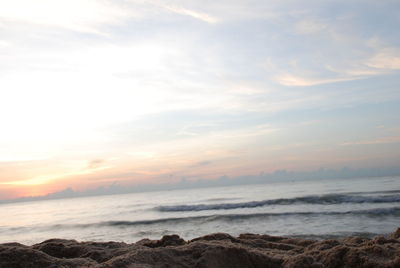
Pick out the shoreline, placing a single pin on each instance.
(213, 250)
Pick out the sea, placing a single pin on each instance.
(315, 209)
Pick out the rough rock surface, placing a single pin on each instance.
(214, 250)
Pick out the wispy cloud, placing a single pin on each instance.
(355, 69)
(301, 81)
(383, 140)
(201, 164)
(309, 26)
(192, 13)
(384, 61)
(95, 163)
(258, 130)
(387, 58)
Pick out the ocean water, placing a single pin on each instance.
(313, 209)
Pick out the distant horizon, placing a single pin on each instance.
(223, 181)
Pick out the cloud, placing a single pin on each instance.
(243, 133)
(309, 26)
(95, 163)
(196, 182)
(356, 69)
(77, 15)
(382, 62)
(191, 13)
(384, 140)
(301, 81)
(201, 164)
(387, 58)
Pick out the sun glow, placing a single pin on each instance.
(33, 191)
(57, 112)
(45, 179)
(69, 14)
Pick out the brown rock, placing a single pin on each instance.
(214, 250)
(166, 240)
(396, 235)
(25, 257)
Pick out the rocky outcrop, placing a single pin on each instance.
(214, 250)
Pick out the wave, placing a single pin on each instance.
(313, 199)
(220, 199)
(394, 211)
(377, 192)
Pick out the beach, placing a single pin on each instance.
(349, 223)
(150, 133)
(214, 250)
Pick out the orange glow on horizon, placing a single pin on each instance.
(33, 192)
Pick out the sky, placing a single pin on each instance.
(96, 92)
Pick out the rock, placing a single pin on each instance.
(26, 257)
(235, 257)
(166, 240)
(396, 235)
(214, 250)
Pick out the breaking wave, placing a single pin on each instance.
(314, 199)
(394, 211)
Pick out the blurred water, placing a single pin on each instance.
(317, 208)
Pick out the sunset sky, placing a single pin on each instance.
(94, 92)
